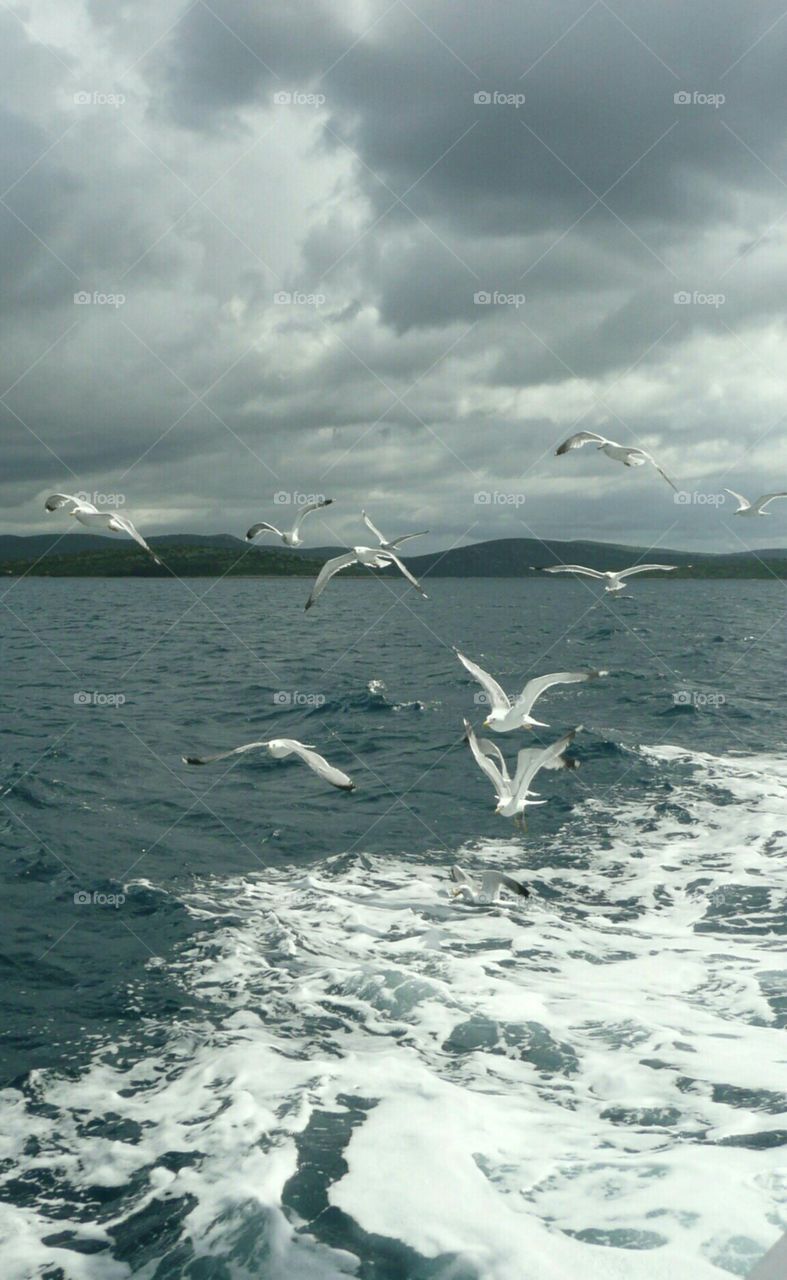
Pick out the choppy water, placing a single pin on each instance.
(271, 1044)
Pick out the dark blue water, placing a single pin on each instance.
(181, 945)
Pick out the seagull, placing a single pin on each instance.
(620, 452)
(373, 558)
(613, 580)
(488, 889)
(384, 543)
(514, 794)
(290, 537)
(505, 714)
(279, 748)
(757, 508)
(91, 517)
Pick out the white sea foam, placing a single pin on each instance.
(580, 1084)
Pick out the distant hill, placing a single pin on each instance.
(214, 555)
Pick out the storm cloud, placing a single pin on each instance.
(394, 253)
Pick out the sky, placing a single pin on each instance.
(393, 254)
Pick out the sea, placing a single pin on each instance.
(248, 1032)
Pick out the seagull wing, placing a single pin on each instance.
(493, 881)
(645, 568)
(744, 502)
(660, 469)
(461, 877)
(762, 502)
(262, 527)
(574, 568)
(326, 573)
(394, 559)
(534, 688)
(316, 762)
(310, 506)
(578, 440)
(372, 527)
(222, 755)
(485, 764)
(57, 500)
(493, 752)
(122, 524)
(531, 760)
(497, 698)
(405, 537)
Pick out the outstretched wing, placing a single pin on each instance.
(492, 750)
(372, 527)
(493, 881)
(497, 698)
(744, 502)
(762, 502)
(122, 524)
(310, 506)
(534, 688)
(405, 537)
(57, 500)
(262, 527)
(645, 568)
(649, 458)
(485, 764)
(402, 567)
(531, 760)
(222, 755)
(316, 762)
(577, 441)
(574, 568)
(326, 573)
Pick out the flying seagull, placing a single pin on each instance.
(91, 517)
(369, 556)
(488, 889)
(290, 537)
(394, 543)
(505, 714)
(279, 748)
(514, 794)
(757, 508)
(613, 580)
(620, 452)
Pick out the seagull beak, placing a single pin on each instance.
(486, 724)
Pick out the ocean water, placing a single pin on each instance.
(248, 1032)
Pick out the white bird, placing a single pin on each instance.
(487, 889)
(91, 517)
(506, 715)
(630, 457)
(514, 794)
(757, 508)
(394, 543)
(290, 537)
(373, 558)
(279, 748)
(613, 580)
